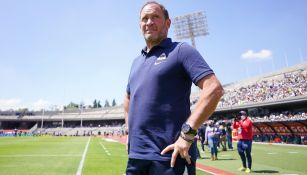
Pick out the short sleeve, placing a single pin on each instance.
(194, 64)
(128, 89)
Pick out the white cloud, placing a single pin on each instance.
(6, 104)
(40, 104)
(261, 55)
(16, 103)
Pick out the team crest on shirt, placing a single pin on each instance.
(161, 59)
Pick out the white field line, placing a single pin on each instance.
(110, 140)
(278, 144)
(206, 171)
(225, 155)
(288, 153)
(105, 149)
(42, 155)
(79, 171)
(292, 152)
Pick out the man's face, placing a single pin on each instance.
(153, 24)
(243, 117)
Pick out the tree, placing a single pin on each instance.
(113, 102)
(22, 112)
(95, 104)
(71, 105)
(82, 105)
(99, 105)
(107, 104)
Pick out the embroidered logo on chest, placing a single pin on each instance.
(162, 58)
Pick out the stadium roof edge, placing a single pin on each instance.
(266, 75)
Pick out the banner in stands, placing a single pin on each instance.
(298, 128)
(284, 128)
(263, 127)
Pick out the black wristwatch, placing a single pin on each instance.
(187, 133)
(188, 130)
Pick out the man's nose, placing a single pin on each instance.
(149, 21)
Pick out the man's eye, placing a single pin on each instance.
(144, 19)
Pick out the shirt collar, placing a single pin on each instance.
(164, 43)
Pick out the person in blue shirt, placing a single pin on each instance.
(211, 137)
(160, 125)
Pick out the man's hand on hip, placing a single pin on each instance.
(180, 147)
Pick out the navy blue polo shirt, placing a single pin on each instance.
(159, 86)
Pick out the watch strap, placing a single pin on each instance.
(187, 137)
(191, 131)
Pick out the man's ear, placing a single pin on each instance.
(168, 23)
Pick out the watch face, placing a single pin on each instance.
(185, 128)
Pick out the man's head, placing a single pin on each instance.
(154, 22)
(243, 115)
(210, 123)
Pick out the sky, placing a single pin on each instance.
(54, 52)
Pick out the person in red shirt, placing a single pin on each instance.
(245, 137)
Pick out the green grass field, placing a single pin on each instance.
(62, 155)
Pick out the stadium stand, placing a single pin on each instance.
(288, 83)
(276, 102)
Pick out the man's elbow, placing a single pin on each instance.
(218, 90)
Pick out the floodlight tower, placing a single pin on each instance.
(190, 26)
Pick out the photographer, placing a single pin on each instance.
(245, 137)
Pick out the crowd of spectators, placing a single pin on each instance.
(85, 124)
(281, 117)
(15, 132)
(271, 89)
(271, 117)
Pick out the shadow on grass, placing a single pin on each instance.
(265, 171)
(227, 159)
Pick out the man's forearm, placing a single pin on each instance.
(209, 98)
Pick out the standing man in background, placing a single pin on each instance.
(229, 135)
(202, 133)
(245, 139)
(222, 136)
(161, 128)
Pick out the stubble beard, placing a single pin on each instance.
(154, 40)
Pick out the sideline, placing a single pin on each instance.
(105, 149)
(280, 144)
(79, 171)
(212, 170)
